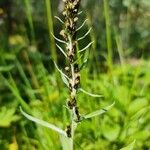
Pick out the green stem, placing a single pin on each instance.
(50, 29)
(30, 19)
(108, 33)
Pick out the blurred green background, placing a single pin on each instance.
(118, 68)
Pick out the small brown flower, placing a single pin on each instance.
(68, 131)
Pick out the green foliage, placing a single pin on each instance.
(7, 116)
(27, 76)
(129, 147)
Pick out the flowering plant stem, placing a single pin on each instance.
(69, 34)
(71, 77)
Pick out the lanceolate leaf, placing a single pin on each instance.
(59, 40)
(61, 50)
(98, 112)
(84, 63)
(64, 77)
(85, 48)
(82, 25)
(129, 147)
(79, 13)
(90, 94)
(60, 71)
(79, 58)
(59, 19)
(65, 80)
(43, 123)
(81, 38)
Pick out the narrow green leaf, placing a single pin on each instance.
(108, 32)
(84, 63)
(43, 123)
(98, 112)
(61, 50)
(129, 147)
(82, 25)
(79, 58)
(49, 14)
(59, 40)
(64, 77)
(60, 20)
(85, 48)
(25, 79)
(65, 80)
(90, 94)
(28, 11)
(81, 38)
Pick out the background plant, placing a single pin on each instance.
(30, 76)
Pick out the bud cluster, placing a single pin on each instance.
(69, 33)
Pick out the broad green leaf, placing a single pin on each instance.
(43, 123)
(98, 112)
(137, 105)
(7, 116)
(121, 94)
(129, 147)
(140, 113)
(110, 131)
(141, 135)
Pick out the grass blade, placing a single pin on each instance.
(30, 18)
(108, 33)
(50, 28)
(13, 87)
